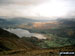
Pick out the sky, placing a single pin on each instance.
(38, 9)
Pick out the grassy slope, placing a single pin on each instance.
(41, 52)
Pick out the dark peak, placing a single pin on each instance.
(4, 33)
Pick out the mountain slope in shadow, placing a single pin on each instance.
(9, 41)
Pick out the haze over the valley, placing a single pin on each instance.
(25, 33)
(37, 9)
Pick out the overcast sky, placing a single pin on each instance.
(37, 9)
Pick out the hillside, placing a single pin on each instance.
(11, 45)
(61, 34)
(41, 52)
(40, 25)
(9, 41)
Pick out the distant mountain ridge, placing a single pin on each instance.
(32, 23)
(13, 22)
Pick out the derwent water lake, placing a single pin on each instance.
(25, 33)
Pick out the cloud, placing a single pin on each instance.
(70, 15)
(22, 2)
(37, 8)
(18, 8)
(17, 11)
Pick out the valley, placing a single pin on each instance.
(37, 38)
